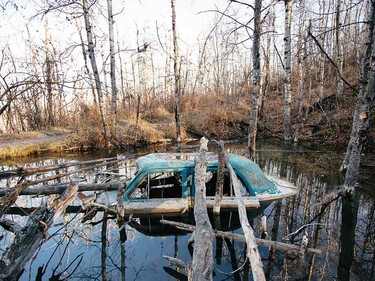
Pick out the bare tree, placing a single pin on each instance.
(339, 51)
(94, 66)
(176, 69)
(253, 123)
(113, 68)
(287, 71)
(360, 134)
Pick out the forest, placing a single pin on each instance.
(285, 69)
(82, 78)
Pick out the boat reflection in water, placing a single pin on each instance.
(228, 220)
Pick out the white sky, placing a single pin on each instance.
(142, 13)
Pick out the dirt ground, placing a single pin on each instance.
(29, 139)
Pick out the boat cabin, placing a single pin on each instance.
(164, 183)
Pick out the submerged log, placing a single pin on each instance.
(239, 237)
(29, 238)
(202, 264)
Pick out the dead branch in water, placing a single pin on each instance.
(239, 237)
(60, 188)
(11, 196)
(32, 170)
(252, 249)
(29, 238)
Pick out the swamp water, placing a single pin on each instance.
(96, 250)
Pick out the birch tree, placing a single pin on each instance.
(113, 68)
(339, 51)
(287, 71)
(94, 66)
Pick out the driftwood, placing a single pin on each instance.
(202, 264)
(252, 249)
(29, 238)
(12, 194)
(239, 237)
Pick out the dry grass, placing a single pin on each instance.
(215, 117)
(25, 150)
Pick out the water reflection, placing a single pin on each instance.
(102, 248)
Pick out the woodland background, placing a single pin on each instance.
(295, 63)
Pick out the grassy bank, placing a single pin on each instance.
(212, 116)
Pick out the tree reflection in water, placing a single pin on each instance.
(344, 230)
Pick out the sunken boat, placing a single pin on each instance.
(164, 183)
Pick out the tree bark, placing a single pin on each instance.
(360, 134)
(94, 66)
(253, 123)
(302, 68)
(287, 71)
(113, 68)
(176, 69)
(202, 264)
(339, 51)
(252, 248)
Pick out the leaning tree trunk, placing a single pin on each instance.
(94, 66)
(176, 69)
(287, 64)
(253, 123)
(360, 130)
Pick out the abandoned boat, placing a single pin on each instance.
(164, 183)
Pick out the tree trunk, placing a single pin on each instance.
(253, 123)
(287, 64)
(202, 264)
(176, 69)
(339, 52)
(360, 134)
(302, 68)
(113, 68)
(94, 66)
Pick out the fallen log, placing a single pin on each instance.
(239, 237)
(12, 194)
(29, 238)
(60, 188)
(202, 264)
(251, 249)
(32, 170)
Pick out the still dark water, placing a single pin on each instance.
(344, 230)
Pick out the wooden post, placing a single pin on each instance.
(220, 178)
(202, 264)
